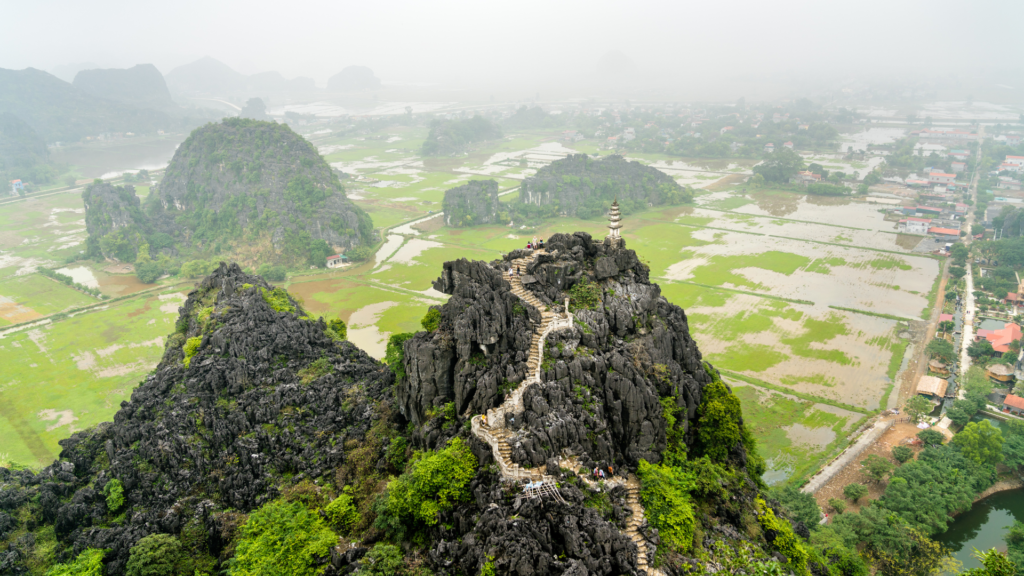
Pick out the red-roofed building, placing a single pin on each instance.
(788, 145)
(959, 167)
(1001, 338)
(336, 260)
(1014, 404)
(1011, 298)
(806, 177)
(945, 317)
(961, 208)
(941, 178)
(923, 209)
(944, 232)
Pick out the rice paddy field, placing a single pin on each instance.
(798, 300)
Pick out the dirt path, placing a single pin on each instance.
(917, 366)
(894, 436)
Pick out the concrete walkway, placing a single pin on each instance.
(866, 439)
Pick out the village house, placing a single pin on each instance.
(17, 187)
(337, 260)
(961, 208)
(929, 134)
(941, 178)
(1013, 404)
(959, 154)
(1001, 338)
(788, 145)
(914, 226)
(769, 147)
(724, 130)
(1007, 183)
(944, 233)
(932, 386)
(805, 177)
(959, 167)
(803, 127)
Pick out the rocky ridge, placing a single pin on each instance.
(471, 204)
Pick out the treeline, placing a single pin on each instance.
(920, 498)
(452, 136)
(65, 279)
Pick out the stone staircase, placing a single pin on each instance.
(497, 436)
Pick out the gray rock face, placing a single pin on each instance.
(600, 394)
(471, 204)
(217, 434)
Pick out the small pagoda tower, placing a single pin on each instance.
(614, 223)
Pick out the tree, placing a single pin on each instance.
(88, 563)
(148, 272)
(917, 407)
(757, 181)
(158, 555)
(431, 320)
(994, 562)
(980, 349)
(959, 253)
(876, 467)
(980, 442)
(1013, 446)
(837, 505)
(855, 491)
(902, 454)
(941, 349)
(800, 506)
(915, 555)
(957, 272)
(359, 253)
(931, 437)
(961, 412)
(873, 177)
(282, 538)
(779, 166)
(946, 326)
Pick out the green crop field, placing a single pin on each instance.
(74, 373)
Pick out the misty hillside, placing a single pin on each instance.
(58, 111)
(141, 86)
(210, 77)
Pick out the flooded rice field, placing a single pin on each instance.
(832, 354)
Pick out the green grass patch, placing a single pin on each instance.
(801, 395)
(825, 265)
(719, 269)
(820, 332)
(869, 313)
(889, 264)
(933, 294)
(74, 374)
(748, 357)
(43, 295)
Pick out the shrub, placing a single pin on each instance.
(190, 348)
(837, 505)
(281, 538)
(148, 272)
(902, 454)
(718, 418)
(278, 300)
(316, 369)
(272, 273)
(431, 486)
(360, 253)
(394, 356)
(88, 563)
(341, 512)
(931, 437)
(338, 327)
(158, 555)
(855, 491)
(799, 506)
(665, 492)
(431, 320)
(785, 541)
(114, 492)
(382, 560)
(584, 295)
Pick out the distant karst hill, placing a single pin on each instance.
(579, 185)
(20, 146)
(254, 189)
(210, 77)
(58, 111)
(471, 204)
(141, 86)
(453, 136)
(353, 78)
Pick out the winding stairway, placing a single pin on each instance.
(497, 436)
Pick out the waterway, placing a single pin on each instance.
(984, 526)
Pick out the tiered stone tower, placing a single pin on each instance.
(614, 223)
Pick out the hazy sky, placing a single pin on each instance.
(523, 41)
